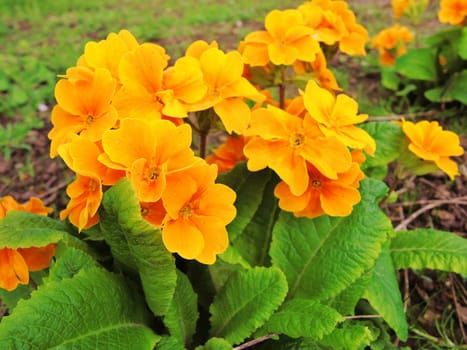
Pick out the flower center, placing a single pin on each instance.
(89, 120)
(153, 174)
(92, 186)
(144, 211)
(297, 139)
(185, 212)
(316, 183)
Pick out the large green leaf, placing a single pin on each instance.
(245, 302)
(352, 336)
(453, 90)
(384, 296)
(428, 248)
(93, 310)
(253, 242)
(136, 243)
(463, 44)
(215, 344)
(418, 64)
(303, 318)
(19, 229)
(169, 343)
(323, 256)
(182, 314)
(249, 188)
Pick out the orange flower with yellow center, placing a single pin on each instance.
(285, 40)
(84, 106)
(15, 264)
(334, 197)
(430, 142)
(286, 143)
(149, 152)
(151, 89)
(391, 43)
(336, 117)
(198, 210)
(453, 12)
(227, 89)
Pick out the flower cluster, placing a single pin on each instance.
(453, 12)
(119, 114)
(15, 263)
(391, 43)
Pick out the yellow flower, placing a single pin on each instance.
(285, 40)
(323, 195)
(453, 12)
(198, 210)
(399, 7)
(227, 89)
(84, 106)
(15, 264)
(149, 152)
(430, 142)
(391, 43)
(336, 117)
(286, 143)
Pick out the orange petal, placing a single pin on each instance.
(183, 237)
(38, 258)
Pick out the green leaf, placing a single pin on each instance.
(323, 256)
(463, 44)
(10, 299)
(350, 337)
(19, 229)
(245, 302)
(429, 249)
(69, 262)
(249, 188)
(93, 310)
(169, 343)
(215, 344)
(389, 78)
(303, 318)
(253, 242)
(418, 64)
(453, 90)
(182, 314)
(136, 243)
(389, 140)
(384, 296)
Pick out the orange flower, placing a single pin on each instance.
(15, 264)
(149, 153)
(149, 89)
(227, 155)
(391, 43)
(227, 89)
(336, 117)
(285, 40)
(399, 7)
(84, 107)
(430, 142)
(198, 47)
(286, 143)
(198, 210)
(85, 198)
(323, 195)
(153, 212)
(453, 12)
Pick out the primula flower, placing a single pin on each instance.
(198, 210)
(15, 264)
(227, 155)
(150, 90)
(149, 152)
(85, 198)
(227, 89)
(336, 117)
(430, 142)
(334, 197)
(286, 143)
(285, 40)
(84, 107)
(391, 43)
(399, 7)
(453, 12)
(334, 23)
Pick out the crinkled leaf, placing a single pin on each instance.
(418, 64)
(215, 344)
(19, 229)
(69, 262)
(136, 243)
(249, 188)
(182, 314)
(323, 256)
(245, 302)
(93, 310)
(429, 249)
(384, 296)
(350, 336)
(303, 318)
(169, 343)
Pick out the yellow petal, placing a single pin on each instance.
(234, 113)
(183, 237)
